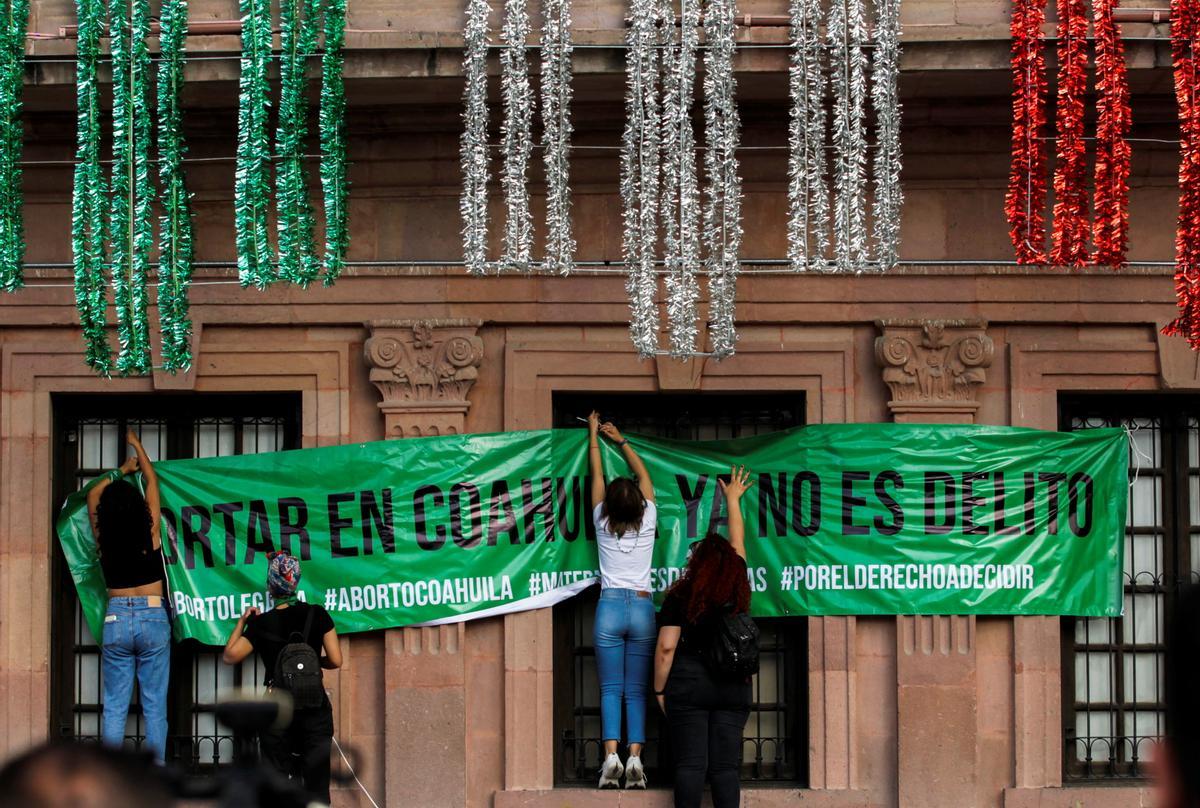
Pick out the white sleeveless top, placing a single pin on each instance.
(625, 561)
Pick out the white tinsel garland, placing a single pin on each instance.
(516, 136)
(474, 201)
(681, 196)
(723, 206)
(847, 34)
(639, 173)
(808, 195)
(889, 198)
(556, 129)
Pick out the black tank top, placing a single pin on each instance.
(127, 565)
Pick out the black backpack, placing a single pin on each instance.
(732, 651)
(298, 669)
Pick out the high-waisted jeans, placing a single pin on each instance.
(137, 643)
(624, 636)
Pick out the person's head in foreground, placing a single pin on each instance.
(715, 575)
(122, 515)
(76, 775)
(283, 576)
(624, 505)
(1177, 759)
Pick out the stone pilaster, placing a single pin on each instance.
(424, 370)
(934, 370)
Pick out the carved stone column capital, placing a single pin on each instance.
(933, 367)
(424, 370)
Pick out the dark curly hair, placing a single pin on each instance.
(715, 575)
(122, 516)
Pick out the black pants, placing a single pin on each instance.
(302, 749)
(705, 719)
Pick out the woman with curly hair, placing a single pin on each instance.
(705, 712)
(137, 631)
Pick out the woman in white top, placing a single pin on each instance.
(625, 515)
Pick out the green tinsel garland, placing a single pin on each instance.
(175, 225)
(333, 141)
(87, 203)
(12, 77)
(298, 261)
(251, 193)
(131, 217)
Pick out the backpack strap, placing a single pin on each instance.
(307, 622)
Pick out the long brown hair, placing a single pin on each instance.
(624, 506)
(715, 575)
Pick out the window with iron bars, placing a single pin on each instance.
(90, 440)
(775, 741)
(1112, 668)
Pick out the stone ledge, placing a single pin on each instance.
(661, 798)
(1115, 796)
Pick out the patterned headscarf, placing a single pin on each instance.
(283, 575)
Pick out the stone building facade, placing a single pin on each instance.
(879, 711)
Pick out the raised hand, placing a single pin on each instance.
(611, 432)
(739, 483)
(593, 420)
(129, 466)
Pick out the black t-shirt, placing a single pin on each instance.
(270, 632)
(694, 636)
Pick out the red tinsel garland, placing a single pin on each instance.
(1110, 230)
(1071, 228)
(1026, 197)
(1185, 25)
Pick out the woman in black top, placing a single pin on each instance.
(137, 633)
(705, 713)
(309, 736)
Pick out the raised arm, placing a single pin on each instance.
(595, 463)
(739, 483)
(153, 503)
(238, 647)
(631, 457)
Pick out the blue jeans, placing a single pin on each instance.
(624, 635)
(137, 642)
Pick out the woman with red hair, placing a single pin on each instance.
(705, 711)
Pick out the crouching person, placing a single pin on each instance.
(294, 640)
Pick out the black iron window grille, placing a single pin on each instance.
(1112, 669)
(90, 439)
(775, 741)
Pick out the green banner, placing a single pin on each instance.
(843, 519)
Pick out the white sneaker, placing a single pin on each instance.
(635, 775)
(611, 771)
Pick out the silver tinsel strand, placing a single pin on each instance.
(847, 33)
(474, 154)
(723, 206)
(885, 71)
(808, 196)
(516, 136)
(681, 196)
(639, 173)
(556, 133)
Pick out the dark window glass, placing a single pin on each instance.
(775, 744)
(1112, 669)
(90, 438)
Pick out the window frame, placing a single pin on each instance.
(1129, 753)
(570, 769)
(178, 414)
